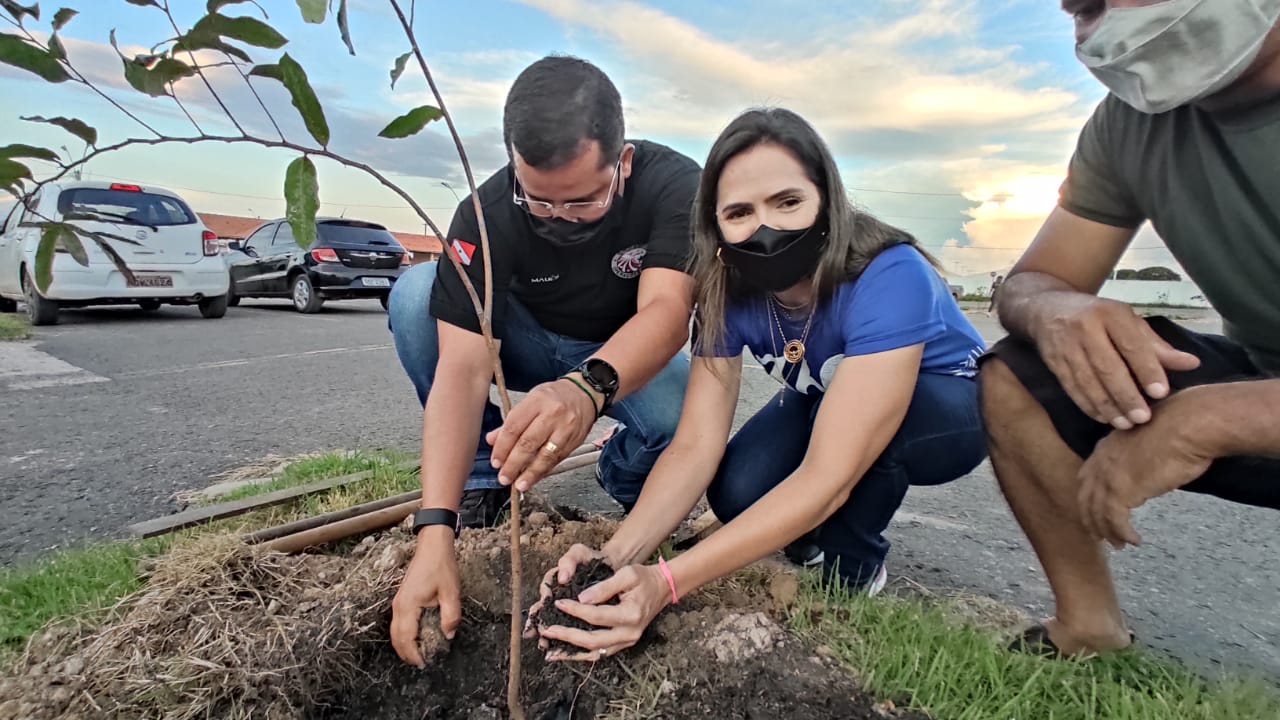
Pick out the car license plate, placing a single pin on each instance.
(151, 281)
(376, 282)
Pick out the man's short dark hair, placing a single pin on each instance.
(554, 105)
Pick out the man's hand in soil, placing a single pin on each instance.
(1097, 348)
(642, 593)
(561, 574)
(552, 420)
(430, 581)
(1130, 467)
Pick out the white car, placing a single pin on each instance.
(176, 260)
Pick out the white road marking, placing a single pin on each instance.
(23, 367)
(248, 361)
(26, 456)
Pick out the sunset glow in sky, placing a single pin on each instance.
(953, 119)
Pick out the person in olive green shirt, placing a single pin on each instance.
(1092, 410)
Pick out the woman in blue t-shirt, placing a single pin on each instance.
(878, 368)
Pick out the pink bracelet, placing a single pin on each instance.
(671, 582)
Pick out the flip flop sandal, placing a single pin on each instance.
(1035, 640)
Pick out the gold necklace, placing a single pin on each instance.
(792, 350)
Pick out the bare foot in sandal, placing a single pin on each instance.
(1050, 639)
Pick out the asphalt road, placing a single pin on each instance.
(106, 416)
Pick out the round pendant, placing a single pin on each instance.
(793, 351)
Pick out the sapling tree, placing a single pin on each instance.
(220, 39)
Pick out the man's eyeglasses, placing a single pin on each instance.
(542, 208)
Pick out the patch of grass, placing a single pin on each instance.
(909, 650)
(72, 582)
(14, 327)
(88, 580)
(385, 480)
(321, 467)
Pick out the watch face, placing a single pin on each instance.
(601, 373)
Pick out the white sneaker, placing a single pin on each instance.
(804, 552)
(875, 586)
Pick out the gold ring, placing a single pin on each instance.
(551, 448)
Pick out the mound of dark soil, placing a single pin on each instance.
(226, 631)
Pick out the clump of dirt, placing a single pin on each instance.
(746, 665)
(229, 631)
(584, 577)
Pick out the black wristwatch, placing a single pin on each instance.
(436, 516)
(602, 378)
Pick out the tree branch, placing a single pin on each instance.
(75, 75)
(486, 320)
(254, 90)
(284, 144)
(196, 66)
(514, 706)
(236, 139)
(174, 94)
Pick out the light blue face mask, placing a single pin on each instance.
(1161, 56)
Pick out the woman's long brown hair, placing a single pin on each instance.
(854, 237)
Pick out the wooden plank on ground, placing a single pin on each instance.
(217, 511)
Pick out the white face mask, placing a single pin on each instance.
(1158, 57)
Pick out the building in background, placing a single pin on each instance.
(422, 248)
(230, 227)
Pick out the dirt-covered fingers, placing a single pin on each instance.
(544, 594)
(585, 656)
(609, 640)
(404, 632)
(569, 562)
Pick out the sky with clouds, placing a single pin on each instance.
(953, 119)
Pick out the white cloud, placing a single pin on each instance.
(915, 101)
(871, 78)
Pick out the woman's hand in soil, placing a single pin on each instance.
(431, 580)
(642, 593)
(561, 574)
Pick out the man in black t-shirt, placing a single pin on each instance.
(589, 236)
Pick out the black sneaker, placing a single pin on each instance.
(482, 508)
(804, 552)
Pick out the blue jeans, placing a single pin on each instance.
(940, 439)
(532, 355)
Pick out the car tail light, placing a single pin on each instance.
(406, 260)
(211, 245)
(126, 187)
(324, 255)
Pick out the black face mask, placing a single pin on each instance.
(774, 260)
(563, 233)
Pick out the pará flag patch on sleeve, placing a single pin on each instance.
(465, 251)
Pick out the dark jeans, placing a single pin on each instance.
(940, 439)
(532, 355)
(1244, 479)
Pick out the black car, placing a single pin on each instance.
(349, 259)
